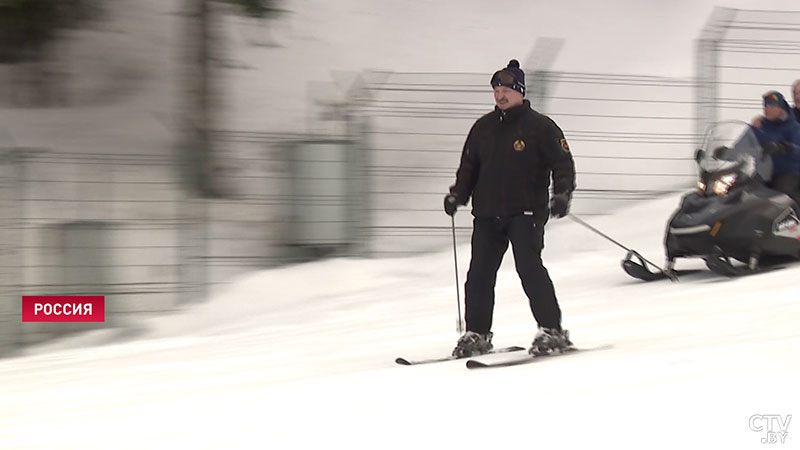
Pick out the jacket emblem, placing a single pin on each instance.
(519, 145)
(564, 145)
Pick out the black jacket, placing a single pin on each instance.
(507, 162)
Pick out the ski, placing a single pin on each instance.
(412, 362)
(675, 275)
(527, 359)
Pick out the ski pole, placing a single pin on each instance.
(630, 251)
(460, 327)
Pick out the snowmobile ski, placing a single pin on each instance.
(640, 269)
(411, 362)
(527, 359)
(726, 269)
(674, 275)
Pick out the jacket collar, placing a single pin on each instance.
(785, 118)
(514, 113)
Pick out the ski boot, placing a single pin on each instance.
(472, 343)
(549, 341)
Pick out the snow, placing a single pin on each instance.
(303, 357)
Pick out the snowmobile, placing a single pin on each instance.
(732, 216)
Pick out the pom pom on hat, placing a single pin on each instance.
(512, 77)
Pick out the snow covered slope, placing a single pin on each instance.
(302, 357)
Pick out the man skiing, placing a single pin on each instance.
(506, 164)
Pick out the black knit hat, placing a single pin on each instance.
(512, 77)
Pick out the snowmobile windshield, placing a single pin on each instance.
(733, 146)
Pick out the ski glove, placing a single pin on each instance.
(450, 204)
(777, 148)
(559, 205)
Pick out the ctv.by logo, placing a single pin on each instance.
(775, 426)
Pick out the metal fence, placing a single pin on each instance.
(123, 226)
(92, 224)
(741, 54)
(631, 137)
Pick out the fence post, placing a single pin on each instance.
(707, 69)
(538, 64)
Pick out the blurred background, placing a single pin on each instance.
(151, 150)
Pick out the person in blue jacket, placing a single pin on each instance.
(778, 132)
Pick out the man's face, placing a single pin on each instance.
(773, 112)
(796, 94)
(505, 97)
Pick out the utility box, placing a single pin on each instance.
(86, 257)
(323, 195)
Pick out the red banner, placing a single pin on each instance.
(60, 308)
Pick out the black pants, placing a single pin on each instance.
(789, 184)
(490, 238)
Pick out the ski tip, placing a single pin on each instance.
(473, 364)
(515, 349)
(402, 361)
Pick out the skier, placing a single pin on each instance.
(796, 98)
(506, 164)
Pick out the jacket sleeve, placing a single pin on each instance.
(558, 158)
(795, 141)
(761, 137)
(795, 135)
(467, 174)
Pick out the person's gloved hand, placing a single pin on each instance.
(777, 148)
(450, 204)
(559, 205)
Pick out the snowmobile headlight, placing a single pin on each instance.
(724, 183)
